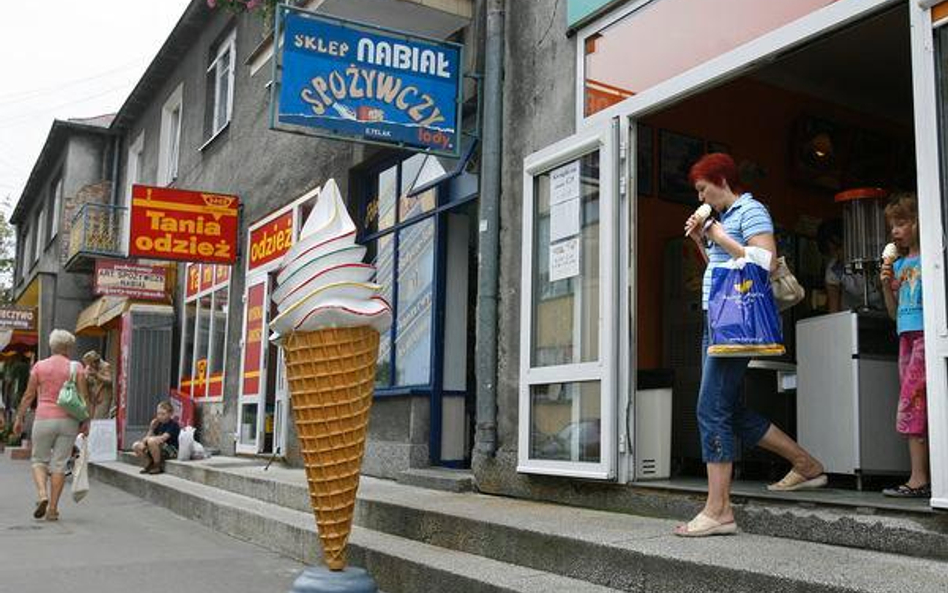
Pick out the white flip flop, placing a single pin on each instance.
(703, 526)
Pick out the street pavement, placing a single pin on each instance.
(115, 542)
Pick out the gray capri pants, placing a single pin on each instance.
(52, 441)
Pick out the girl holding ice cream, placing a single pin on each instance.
(902, 289)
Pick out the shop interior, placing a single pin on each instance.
(829, 117)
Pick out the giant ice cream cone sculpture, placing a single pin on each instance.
(329, 321)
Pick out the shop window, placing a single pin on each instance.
(405, 265)
(204, 335)
(658, 40)
(218, 350)
(220, 85)
(187, 348)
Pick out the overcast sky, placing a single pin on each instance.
(65, 59)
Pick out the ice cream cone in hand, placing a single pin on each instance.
(890, 253)
(328, 324)
(701, 216)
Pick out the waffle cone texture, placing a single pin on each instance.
(331, 375)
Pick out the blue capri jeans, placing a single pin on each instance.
(721, 413)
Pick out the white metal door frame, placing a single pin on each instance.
(605, 141)
(932, 235)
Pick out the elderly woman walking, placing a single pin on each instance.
(741, 221)
(54, 430)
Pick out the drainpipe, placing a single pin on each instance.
(487, 269)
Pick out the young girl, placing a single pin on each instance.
(902, 289)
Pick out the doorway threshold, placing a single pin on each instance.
(754, 490)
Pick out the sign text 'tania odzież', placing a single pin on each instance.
(183, 225)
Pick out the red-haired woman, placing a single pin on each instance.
(742, 221)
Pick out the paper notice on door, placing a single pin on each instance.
(564, 183)
(564, 259)
(564, 220)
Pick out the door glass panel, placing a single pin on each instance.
(566, 422)
(941, 75)
(566, 268)
(248, 424)
(665, 38)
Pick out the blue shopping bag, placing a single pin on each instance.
(742, 313)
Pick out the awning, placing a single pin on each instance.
(20, 341)
(93, 318)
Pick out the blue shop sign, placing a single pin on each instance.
(367, 84)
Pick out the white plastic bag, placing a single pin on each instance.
(80, 472)
(199, 451)
(103, 441)
(185, 443)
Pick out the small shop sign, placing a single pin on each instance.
(368, 84)
(113, 278)
(183, 225)
(23, 318)
(270, 241)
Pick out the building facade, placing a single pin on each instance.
(199, 120)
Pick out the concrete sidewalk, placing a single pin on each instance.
(114, 542)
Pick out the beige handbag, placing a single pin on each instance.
(787, 290)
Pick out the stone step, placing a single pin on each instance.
(608, 549)
(399, 565)
(919, 535)
(438, 478)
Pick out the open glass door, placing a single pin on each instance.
(930, 78)
(568, 387)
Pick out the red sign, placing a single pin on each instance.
(183, 225)
(193, 275)
(272, 240)
(115, 278)
(207, 277)
(253, 339)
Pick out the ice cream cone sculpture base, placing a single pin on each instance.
(331, 376)
(317, 579)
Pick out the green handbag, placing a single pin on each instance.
(69, 398)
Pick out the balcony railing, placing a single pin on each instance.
(97, 231)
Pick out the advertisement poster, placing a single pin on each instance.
(183, 225)
(253, 339)
(369, 84)
(193, 275)
(270, 241)
(113, 278)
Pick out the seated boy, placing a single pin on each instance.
(161, 442)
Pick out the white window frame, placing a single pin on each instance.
(57, 207)
(723, 67)
(29, 249)
(932, 239)
(605, 140)
(169, 150)
(229, 47)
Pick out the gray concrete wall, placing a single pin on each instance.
(539, 109)
(267, 170)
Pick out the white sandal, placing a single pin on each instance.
(703, 526)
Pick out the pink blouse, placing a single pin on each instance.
(50, 374)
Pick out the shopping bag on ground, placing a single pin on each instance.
(742, 314)
(103, 441)
(185, 443)
(80, 473)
